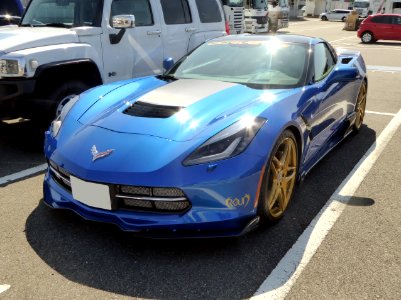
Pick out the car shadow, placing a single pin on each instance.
(101, 256)
(383, 43)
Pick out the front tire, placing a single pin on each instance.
(360, 107)
(64, 93)
(367, 37)
(324, 18)
(279, 179)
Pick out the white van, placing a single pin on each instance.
(63, 47)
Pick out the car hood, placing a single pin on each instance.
(181, 110)
(19, 38)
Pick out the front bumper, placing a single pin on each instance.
(198, 221)
(15, 95)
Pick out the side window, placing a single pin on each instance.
(396, 20)
(382, 20)
(323, 61)
(139, 8)
(209, 11)
(176, 12)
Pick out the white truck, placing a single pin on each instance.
(256, 16)
(63, 47)
(367, 7)
(234, 12)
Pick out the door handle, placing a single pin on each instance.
(190, 29)
(154, 32)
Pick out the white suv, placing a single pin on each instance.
(335, 14)
(63, 47)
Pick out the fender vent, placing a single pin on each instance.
(147, 110)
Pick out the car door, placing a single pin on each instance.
(178, 26)
(331, 15)
(381, 26)
(337, 15)
(395, 33)
(329, 98)
(132, 52)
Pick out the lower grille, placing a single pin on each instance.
(152, 199)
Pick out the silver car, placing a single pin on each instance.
(335, 15)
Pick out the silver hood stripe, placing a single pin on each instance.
(184, 92)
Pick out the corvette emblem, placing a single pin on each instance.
(96, 154)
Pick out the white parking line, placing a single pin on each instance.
(22, 174)
(4, 287)
(383, 68)
(280, 281)
(346, 38)
(379, 113)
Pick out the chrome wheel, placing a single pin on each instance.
(280, 178)
(62, 103)
(367, 37)
(360, 106)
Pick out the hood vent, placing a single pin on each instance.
(148, 110)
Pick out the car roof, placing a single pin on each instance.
(285, 38)
(390, 15)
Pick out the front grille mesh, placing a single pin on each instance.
(152, 199)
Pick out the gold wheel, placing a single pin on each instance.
(360, 107)
(280, 178)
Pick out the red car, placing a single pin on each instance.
(380, 27)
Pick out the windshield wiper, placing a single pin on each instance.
(62, 25)
(168, 77)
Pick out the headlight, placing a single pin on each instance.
(56, 124)
(227, 143)
(12, 67)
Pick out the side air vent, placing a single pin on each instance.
(147, 110)
(346, 60)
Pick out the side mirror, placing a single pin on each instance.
(123, 21)
(168, 63)
(343, 74)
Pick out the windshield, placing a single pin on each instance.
(9, 7)
(234, 3)
(256, 63)
(63, 13)
(361, 4)
(259, 4)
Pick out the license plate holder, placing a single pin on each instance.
(92, 194)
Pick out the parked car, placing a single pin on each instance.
(380, 27)
(210, 148)
(62, 48)
(10, 12)
(335, 15)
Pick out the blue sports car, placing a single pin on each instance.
(214, 146)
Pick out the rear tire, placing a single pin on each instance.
(343, 19)
(279, 179)
(367, 37)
